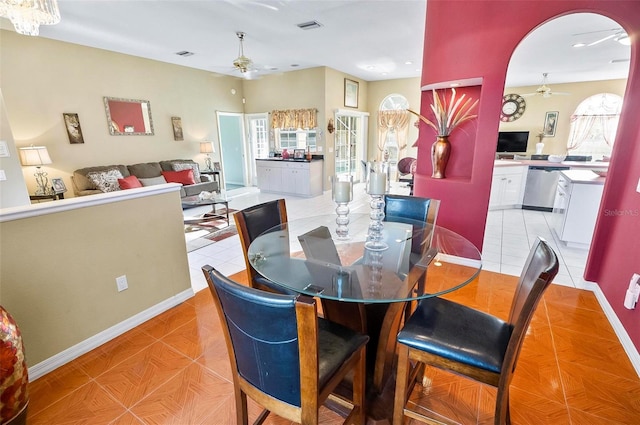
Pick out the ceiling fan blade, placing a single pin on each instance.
(601, 40)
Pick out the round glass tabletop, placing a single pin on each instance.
(419, 261)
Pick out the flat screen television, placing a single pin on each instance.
(512, 141)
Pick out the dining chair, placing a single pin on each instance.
(477, 345)
(283, 356)
(251, 222)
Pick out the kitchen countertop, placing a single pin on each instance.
(583, 177)
(542, 163)
(289, 160)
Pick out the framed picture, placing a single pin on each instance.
(177, 128)
(550, 123)
(350, 93)
(58, 185)
(298, 153)
(216, 166)
(72, 124)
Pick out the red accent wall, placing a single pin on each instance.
(474, 39)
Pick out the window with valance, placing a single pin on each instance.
(295, 128)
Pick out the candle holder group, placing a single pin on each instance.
(342, 194)
(376, 185)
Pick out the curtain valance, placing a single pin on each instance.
(294, 118)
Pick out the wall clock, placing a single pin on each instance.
(513, 106)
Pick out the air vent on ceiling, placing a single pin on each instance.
(619, 60)
(184, 53)
(309, 25)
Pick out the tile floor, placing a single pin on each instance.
(174, 368)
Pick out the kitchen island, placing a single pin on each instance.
(576, 206)
(290, 177)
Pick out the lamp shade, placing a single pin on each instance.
(206, 147)
(35, 155)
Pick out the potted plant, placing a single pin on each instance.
(448, 115)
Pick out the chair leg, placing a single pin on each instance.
(359, 379)
(242, 413)
(402, 381)
(502, 414)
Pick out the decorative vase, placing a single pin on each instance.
(440, 151)
(14, 376)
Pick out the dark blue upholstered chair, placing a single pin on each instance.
(453, 337)
(282, 355)
(252, 222)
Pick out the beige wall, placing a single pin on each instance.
(58, 270)
(56, 77)
(13, 191)
(537, 106)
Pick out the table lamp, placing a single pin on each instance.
(207, 148)
(37, 156)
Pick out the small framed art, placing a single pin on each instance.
(350, 93)
(176, 122)
(58, 185)
(72, 124)
(216, 166)
(550, 123)
(298, 153)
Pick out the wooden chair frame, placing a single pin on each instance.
(539, 270)
(245, 241)
(312, 396)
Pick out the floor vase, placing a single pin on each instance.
(440, 151)
(13, 373)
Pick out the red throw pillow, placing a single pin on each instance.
(182, 176)
(129, 182)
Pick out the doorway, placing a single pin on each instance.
(350, 149)
(232, 151)
(258, 146)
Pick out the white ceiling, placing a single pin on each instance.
(369, 39)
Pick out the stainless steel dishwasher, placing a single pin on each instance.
(540, 189)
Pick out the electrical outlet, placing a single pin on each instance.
(122, 283)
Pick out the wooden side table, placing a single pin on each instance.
(51, 197)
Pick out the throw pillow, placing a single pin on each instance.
(179, 166)
(152, 181)
(185, 176)
(106, 181)
(130, 182)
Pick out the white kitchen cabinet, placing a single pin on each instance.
(576, 208)
(507, 187)
(290, 177)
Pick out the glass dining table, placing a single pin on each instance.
(368, 290)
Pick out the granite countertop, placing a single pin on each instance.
(543, 163)
(583, 177)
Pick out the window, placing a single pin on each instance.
(297, 139)
(594, 125)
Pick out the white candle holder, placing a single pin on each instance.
(342, 194)
(376, 188)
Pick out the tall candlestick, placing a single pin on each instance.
(377, 184)
(342, 192)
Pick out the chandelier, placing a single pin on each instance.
(242, 62)
(27, 15)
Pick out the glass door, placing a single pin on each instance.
(258, 134)
(349, 144)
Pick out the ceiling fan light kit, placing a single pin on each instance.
(544, 90)
(242, 62)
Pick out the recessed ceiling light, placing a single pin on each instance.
(384, 73)
(455, 84)
(579, 44)
(185, 53)
(294, 65)
(371, 68)
(408, 63)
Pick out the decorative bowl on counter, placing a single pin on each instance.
(556, 158)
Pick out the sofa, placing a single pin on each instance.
(109, 178)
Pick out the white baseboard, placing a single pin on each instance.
(618, 328)
(100, 338)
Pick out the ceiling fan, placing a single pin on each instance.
(616, 34)
(544, 90)
(242, 63)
